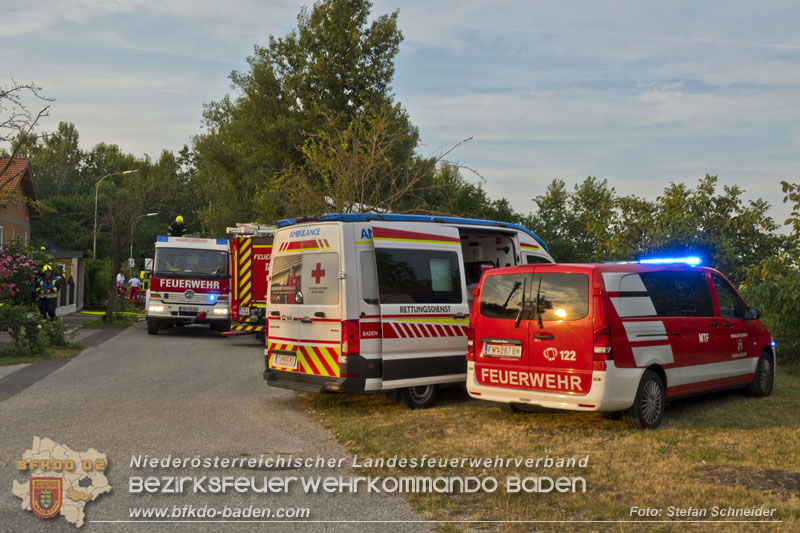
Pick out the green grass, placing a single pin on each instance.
(119, 321)
(9, 356)
(717, 450)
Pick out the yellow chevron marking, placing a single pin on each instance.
(246, 290)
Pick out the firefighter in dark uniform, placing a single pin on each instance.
(176, 229)
(47, 292)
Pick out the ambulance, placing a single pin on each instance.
(251, 250)
(613, 337)
(380, 303)
(189, 284)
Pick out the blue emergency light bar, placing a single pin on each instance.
(212, 298)
(222, 241)
(162, 238)
(692, 261)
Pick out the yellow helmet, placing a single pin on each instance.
(46, 268)
(43, 248)
(179, 219)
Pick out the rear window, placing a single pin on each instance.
(415, 276)
(562, 296)
(501, 296)
(310, 279)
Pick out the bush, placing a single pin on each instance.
(24, 327)
(17, 275)
(56, 333)
(773, 285)
(98, 272)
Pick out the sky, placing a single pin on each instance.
(638, 93)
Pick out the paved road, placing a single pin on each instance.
(183, 392)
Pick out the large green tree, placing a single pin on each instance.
(324, 77)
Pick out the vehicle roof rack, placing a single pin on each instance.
(251, 229)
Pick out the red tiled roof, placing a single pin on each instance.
(16, 172)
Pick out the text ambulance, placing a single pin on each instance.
(189, 283)
(369, 303)
(251, 250)
(613, 337)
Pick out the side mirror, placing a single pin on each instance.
(752, 313)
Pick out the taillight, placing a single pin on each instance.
(470, 343)
(351, 344)
(601, 340)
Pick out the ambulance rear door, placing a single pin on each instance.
(423, 303)
(305, 300)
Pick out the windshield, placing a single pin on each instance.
(188, 262)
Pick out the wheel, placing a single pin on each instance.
(648, 407)
(510, 408)
(420, 397)
(763, 378)
(152, 326)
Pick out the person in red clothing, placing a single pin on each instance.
(294, 282)
(134, 284)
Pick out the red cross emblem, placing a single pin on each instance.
(317, 273)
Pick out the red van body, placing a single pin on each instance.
(613, 337)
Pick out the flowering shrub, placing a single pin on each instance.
(24, 327)
(17, 275)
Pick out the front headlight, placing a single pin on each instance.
(156, 309)
(221, 311)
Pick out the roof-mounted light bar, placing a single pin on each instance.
(692, 260)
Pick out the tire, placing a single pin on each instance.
(648, 407)
(510, 408)
(764, 377)
(152, 326)
(420, 397)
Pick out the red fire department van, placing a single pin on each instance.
(251, 250)
(613, 337)
(380, 303)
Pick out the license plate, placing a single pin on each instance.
(513, 351)
(184, 309)
(286, 361)
(244, 311)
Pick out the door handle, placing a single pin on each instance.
(459, 316)
(544, 336)
(275, 313)
(319, 314)
(728, 324)
(714, 323)
(306, 320)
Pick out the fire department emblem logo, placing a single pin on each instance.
(46, 495)
(550, 354)
(189, 294)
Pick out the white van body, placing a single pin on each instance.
(371, 303)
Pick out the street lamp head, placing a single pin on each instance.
(126, 172)
(151, 214)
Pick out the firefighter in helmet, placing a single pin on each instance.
(47, 292)
(176, 229)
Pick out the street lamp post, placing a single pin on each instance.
(96, 189)
(133, 226)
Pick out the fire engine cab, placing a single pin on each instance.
(189, 284)
(251, 250)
